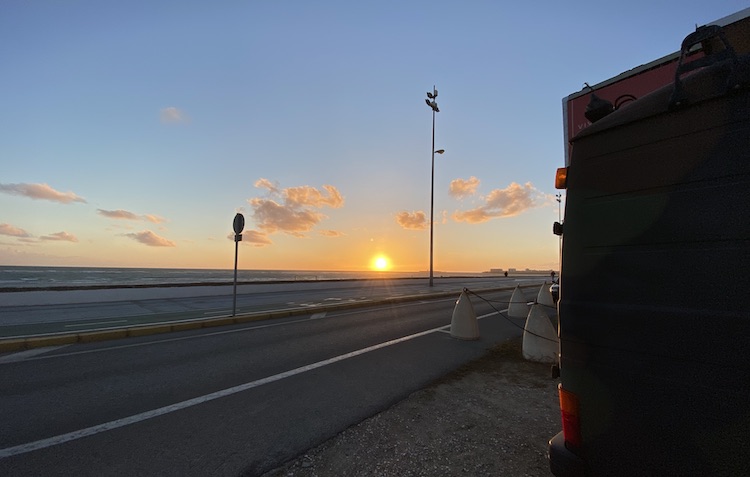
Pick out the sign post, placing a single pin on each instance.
(239, 225)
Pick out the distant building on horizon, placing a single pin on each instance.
(527, 271)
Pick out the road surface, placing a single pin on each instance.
(74, 311)
(235, 400)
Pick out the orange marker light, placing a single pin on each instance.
(561, 178)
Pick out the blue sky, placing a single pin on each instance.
(132, 132)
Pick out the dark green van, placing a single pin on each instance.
(654, 310)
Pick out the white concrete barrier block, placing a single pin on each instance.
(540, 342)
(518, 308)
(544, 297)
(464, 325)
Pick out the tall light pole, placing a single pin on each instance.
(430, 100)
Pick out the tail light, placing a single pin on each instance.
(571, 419)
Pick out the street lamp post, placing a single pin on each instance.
(430, 100)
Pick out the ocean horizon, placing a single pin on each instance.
(14, 277)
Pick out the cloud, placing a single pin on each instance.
(23, 236)
(7, 229)
(412, 221)
(42, 192)
(153, 218)
(120, 214)
(331, 233)
(257, 239)
(149, 238)
(274, 217)
(509, 202)
(310, 196)
(292, 210)
(172, 115)
(117, 214)
(460, 188)
(60, 237)
(266, 184)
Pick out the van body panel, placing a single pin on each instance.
(653, 313)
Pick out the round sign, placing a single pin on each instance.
(239, 223)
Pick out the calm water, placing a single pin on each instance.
(43, 277)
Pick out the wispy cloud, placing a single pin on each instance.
(266, 184)
(7, 229)
(60, 237)
(153, 218)
(509, 202)
(117, 214)
(149, 238)
(460, 188)
(120, 214)
(310, 196)
(172, 115)
(253, 237)
(292, 210)
(412, 220)
(41, 192)
(331, 233)
(24, 236)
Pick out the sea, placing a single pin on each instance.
(19, 277)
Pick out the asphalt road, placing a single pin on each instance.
(235, 400)
(74, 311)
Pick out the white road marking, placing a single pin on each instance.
(167, 340)
(126, 421)
(224, 332)
(79, 325)
(317, 316)
(444, 330)
(24, 355)
(493, 313)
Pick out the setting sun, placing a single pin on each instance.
(380, 263)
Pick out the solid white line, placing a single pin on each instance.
(23, 355)
(446, 329)
(166, 340)
(493, 313)
(108, 426)
(97, 323)
(217, 333)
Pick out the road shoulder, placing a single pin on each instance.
(492, 416)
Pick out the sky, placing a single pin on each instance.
(131, 133)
